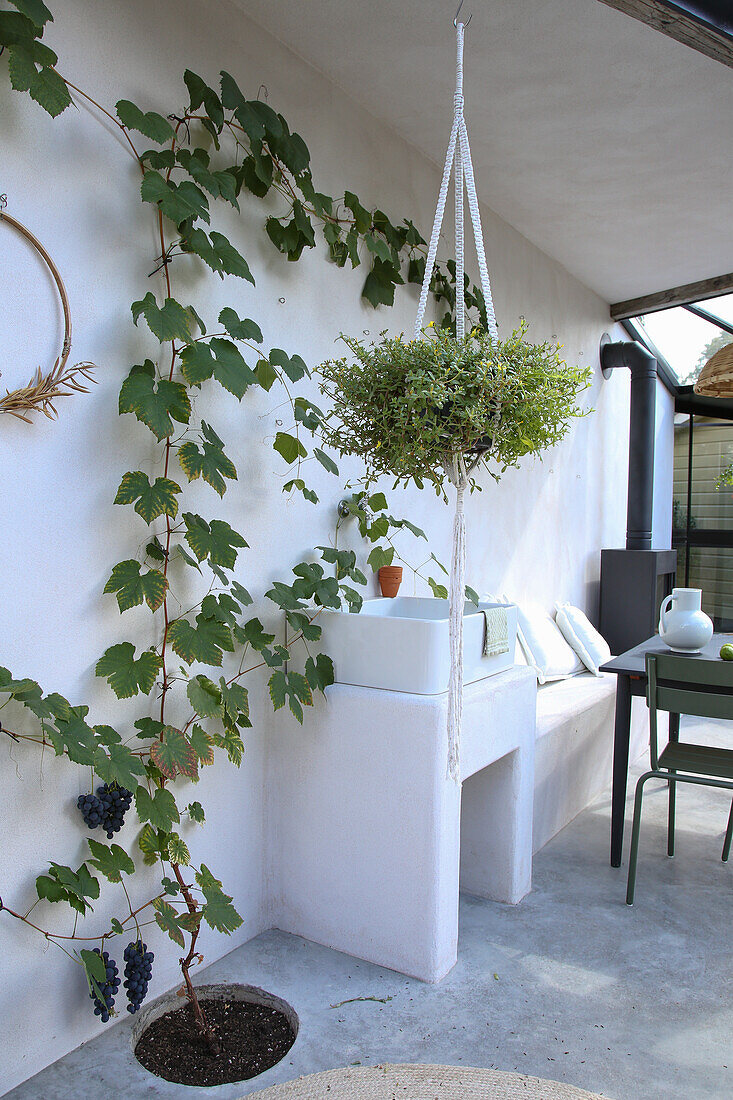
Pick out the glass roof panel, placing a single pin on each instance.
(687, 341)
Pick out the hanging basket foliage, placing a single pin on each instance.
(405, 407)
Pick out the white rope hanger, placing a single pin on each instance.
(459, 155)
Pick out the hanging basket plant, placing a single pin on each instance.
(409, 408)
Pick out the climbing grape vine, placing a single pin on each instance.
(215, 149)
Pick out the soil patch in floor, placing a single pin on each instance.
(252, 1038)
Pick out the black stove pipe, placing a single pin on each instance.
(643, 367)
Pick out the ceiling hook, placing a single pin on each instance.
(455, 21)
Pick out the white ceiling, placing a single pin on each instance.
(607, 144)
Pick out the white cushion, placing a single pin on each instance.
(544, 646)
(590, 646)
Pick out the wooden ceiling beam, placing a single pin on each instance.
(678, 24)
(676, 296)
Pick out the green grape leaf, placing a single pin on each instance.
(380, 557)
(217, 252)
(156, 405)
(319, 673)
(73, 736)
(232, 744)
(218, 911)
(231, 261)
(148, 844)
(152, 125)
(178, 850)
(49, 90)
(201, 93)
(293, 365)
(215, 541)
(240, 328)
(94, 967)
(132, 588)
(289, 447)
(292, 687)
(266, 374)
(110, 860)
(196, 162)
(353, 598)
(148, 728)
(178, 202)
(173, 754)
(73, 887)
(204, 642)
(167, 919)
(167, 322)
(235, 700)
(196, 812)
(150, 501)
(126, 675)
(160, 810)
(155, 550)
(210, 463)
(35, 10)
(472, 595)
(439, 590)
(202, 745)
(204, 696)
(220, 359)
(118, 765)
(325, 461)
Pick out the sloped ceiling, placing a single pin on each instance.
(607, 144)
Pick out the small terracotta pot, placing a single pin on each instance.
(390, 579)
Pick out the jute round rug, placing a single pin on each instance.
(415, 1082)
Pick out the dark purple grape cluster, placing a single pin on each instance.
(108, 988)
(106, 808)
(138, 971)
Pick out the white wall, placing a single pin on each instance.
(663, 469)
(537, 533)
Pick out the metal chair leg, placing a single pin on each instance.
(670, 816)
(636, 828)
(728, 836)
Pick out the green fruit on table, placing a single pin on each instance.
(726, 652)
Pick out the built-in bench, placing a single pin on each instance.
(574, 748)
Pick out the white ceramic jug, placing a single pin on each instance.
(686, 628)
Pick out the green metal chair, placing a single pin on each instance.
(684, 685)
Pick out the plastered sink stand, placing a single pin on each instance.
(374, 837)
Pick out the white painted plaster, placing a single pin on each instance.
(574, 752)
(606, 143)
(537, 534)
(369, 849)
(663, 469)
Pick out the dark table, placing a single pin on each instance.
(630, 668)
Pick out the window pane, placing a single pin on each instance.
(681, 338)
(711, 569)
(712, 452)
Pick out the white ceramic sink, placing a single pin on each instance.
(403, 644)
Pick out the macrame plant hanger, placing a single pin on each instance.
(458, 155)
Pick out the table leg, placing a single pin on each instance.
(621, 734)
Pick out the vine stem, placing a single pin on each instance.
(53, 936)
(203, 1026)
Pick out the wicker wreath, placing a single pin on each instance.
(61, 380)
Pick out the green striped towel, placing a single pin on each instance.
(496, 632)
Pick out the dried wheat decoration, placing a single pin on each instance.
(61, 380)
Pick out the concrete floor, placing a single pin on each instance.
(570, 985)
